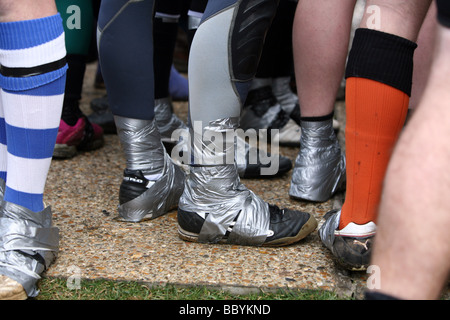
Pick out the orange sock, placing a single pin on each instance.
(376, 114)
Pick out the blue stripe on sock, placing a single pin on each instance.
(31, 143)
(30, 33)
(53, 88)
(32, 201)
(2, 131)
(3, 175)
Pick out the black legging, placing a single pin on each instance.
(164, 39)
(443, 7)
(130, 40)
(125, 45)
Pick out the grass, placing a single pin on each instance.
(57, 289)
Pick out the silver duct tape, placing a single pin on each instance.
(160, 198)
(21, 236)
(216, 193)
(252, 225)
(243, 151)
(167, 18)
(249, 119)
(193, 22)
(141, 143)
(2, 188)
(33, 234)
(319, 169)
(282, 91)
(166, 121)
(326, 231)
(214, 144)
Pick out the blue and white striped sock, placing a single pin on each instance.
(3, 151)
(32, 81)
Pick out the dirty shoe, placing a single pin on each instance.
(216, 208)
(352, 245)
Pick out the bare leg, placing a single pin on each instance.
(320, 40)
(411, 247)
(423, 56)
(321, 36)
(16, 10)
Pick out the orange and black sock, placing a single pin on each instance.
(379, 78)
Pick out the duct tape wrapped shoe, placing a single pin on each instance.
(216, 208)
(142, 199)
(262, 111)
(29, 244)
(153, 184)
(352, 245)
(166, 121)
(319, 169)
(254, 163)
(281, 87)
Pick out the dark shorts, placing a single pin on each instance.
(443, 12)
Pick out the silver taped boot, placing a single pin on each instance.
(145, 152)
(141, 143)
(166, 121)
(282, 91)
(215, 193)
(28, 244)
(161, 197)
(319, 169)
(328, 228)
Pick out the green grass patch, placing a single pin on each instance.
(57, 289)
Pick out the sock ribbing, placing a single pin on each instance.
(382, 57)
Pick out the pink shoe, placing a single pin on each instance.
(83, 136)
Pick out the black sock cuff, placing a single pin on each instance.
(318, 119)
(382, 57)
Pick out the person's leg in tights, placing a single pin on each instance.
(76, 132)
(262, 108)
(379, 79)
(321, 37)
(251, 169)
(151, 183)
(32, 81)
(283, 63)
(411, 250)
(215, 207)
(165, 30)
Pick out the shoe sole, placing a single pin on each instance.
(305, 230)
(147, 217)
(64, 151)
